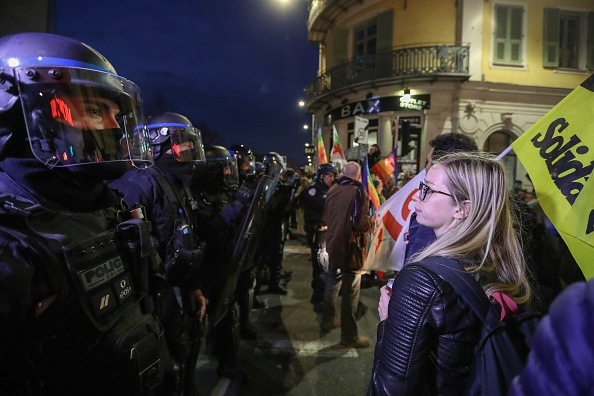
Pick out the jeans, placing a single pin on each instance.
(349, 292)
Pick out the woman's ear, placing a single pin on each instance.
(463, 210)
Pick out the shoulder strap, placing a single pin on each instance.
(463, 282)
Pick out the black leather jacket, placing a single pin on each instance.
(426, 345)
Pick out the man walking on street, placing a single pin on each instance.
(346, 213)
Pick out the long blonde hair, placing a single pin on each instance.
(485, 240)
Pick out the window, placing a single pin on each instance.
(509, 35)
(569, 47)
(567, 39)
(365, 40)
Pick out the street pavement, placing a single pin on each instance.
(291, 356)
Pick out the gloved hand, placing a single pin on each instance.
(244, 195)
(232, 212)
(184, 263)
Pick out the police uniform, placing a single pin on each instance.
(312, 199)
(75, 263)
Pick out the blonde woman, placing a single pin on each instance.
(427, 334)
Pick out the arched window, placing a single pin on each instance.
(498, 142)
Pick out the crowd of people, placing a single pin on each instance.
(126, 244)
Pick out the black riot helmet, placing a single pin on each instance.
(78, 113)
(246, 161)
(219, 170)
(275, 160)
(323, 169)
(172, 131)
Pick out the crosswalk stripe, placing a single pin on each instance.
(320, 348)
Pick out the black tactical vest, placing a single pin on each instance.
(92, 329)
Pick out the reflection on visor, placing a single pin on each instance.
(83, 117)
(186, 141)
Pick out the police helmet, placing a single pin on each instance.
(323, 169)
(220, 168)
(77, 111)
(174, 131)
(246, 161)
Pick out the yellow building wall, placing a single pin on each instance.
(532, 73)
(416, 22)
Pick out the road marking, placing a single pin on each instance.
(299, 249)
(320, 348)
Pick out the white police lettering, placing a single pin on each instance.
(102, 273)
(562, 159)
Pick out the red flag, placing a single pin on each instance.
(385, 166)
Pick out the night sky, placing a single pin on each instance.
(237, 66)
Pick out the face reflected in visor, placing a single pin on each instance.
(91, 131)
(85, 117)
(186, 141)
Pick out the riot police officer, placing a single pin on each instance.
(269, 255)
(164, 191)
(246, 282)
(75, 317)
(312, 199)
(221, 206)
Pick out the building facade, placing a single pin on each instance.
(416, 69)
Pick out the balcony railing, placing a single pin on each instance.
(391, 66)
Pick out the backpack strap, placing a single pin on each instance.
(465, 285)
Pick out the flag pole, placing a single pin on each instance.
(504, 152)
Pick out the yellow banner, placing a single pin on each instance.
(558, 153)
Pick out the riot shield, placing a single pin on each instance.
(248, 236)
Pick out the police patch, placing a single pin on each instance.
(100, 274)
(312, 191)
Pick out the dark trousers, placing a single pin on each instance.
(318, 276)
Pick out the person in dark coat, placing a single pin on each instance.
(346, 213)
(562, 355)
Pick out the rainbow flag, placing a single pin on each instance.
(558, 153)
(367, 182)
(322, 157)
(385, 166)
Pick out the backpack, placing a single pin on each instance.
(505, 341)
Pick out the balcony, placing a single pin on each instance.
(399, 66)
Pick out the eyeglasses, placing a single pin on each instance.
(425, 191)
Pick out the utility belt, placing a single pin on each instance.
(109, 271)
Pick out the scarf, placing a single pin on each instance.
(357, 207)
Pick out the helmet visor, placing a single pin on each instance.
(186, 141)
(78, 116)
(229, 168)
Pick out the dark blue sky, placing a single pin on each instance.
(239, 65)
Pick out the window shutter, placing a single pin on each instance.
(550, 40)
(500, 33)
(385, 21)
(516, 32)
(590, 42)
(340, 46)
